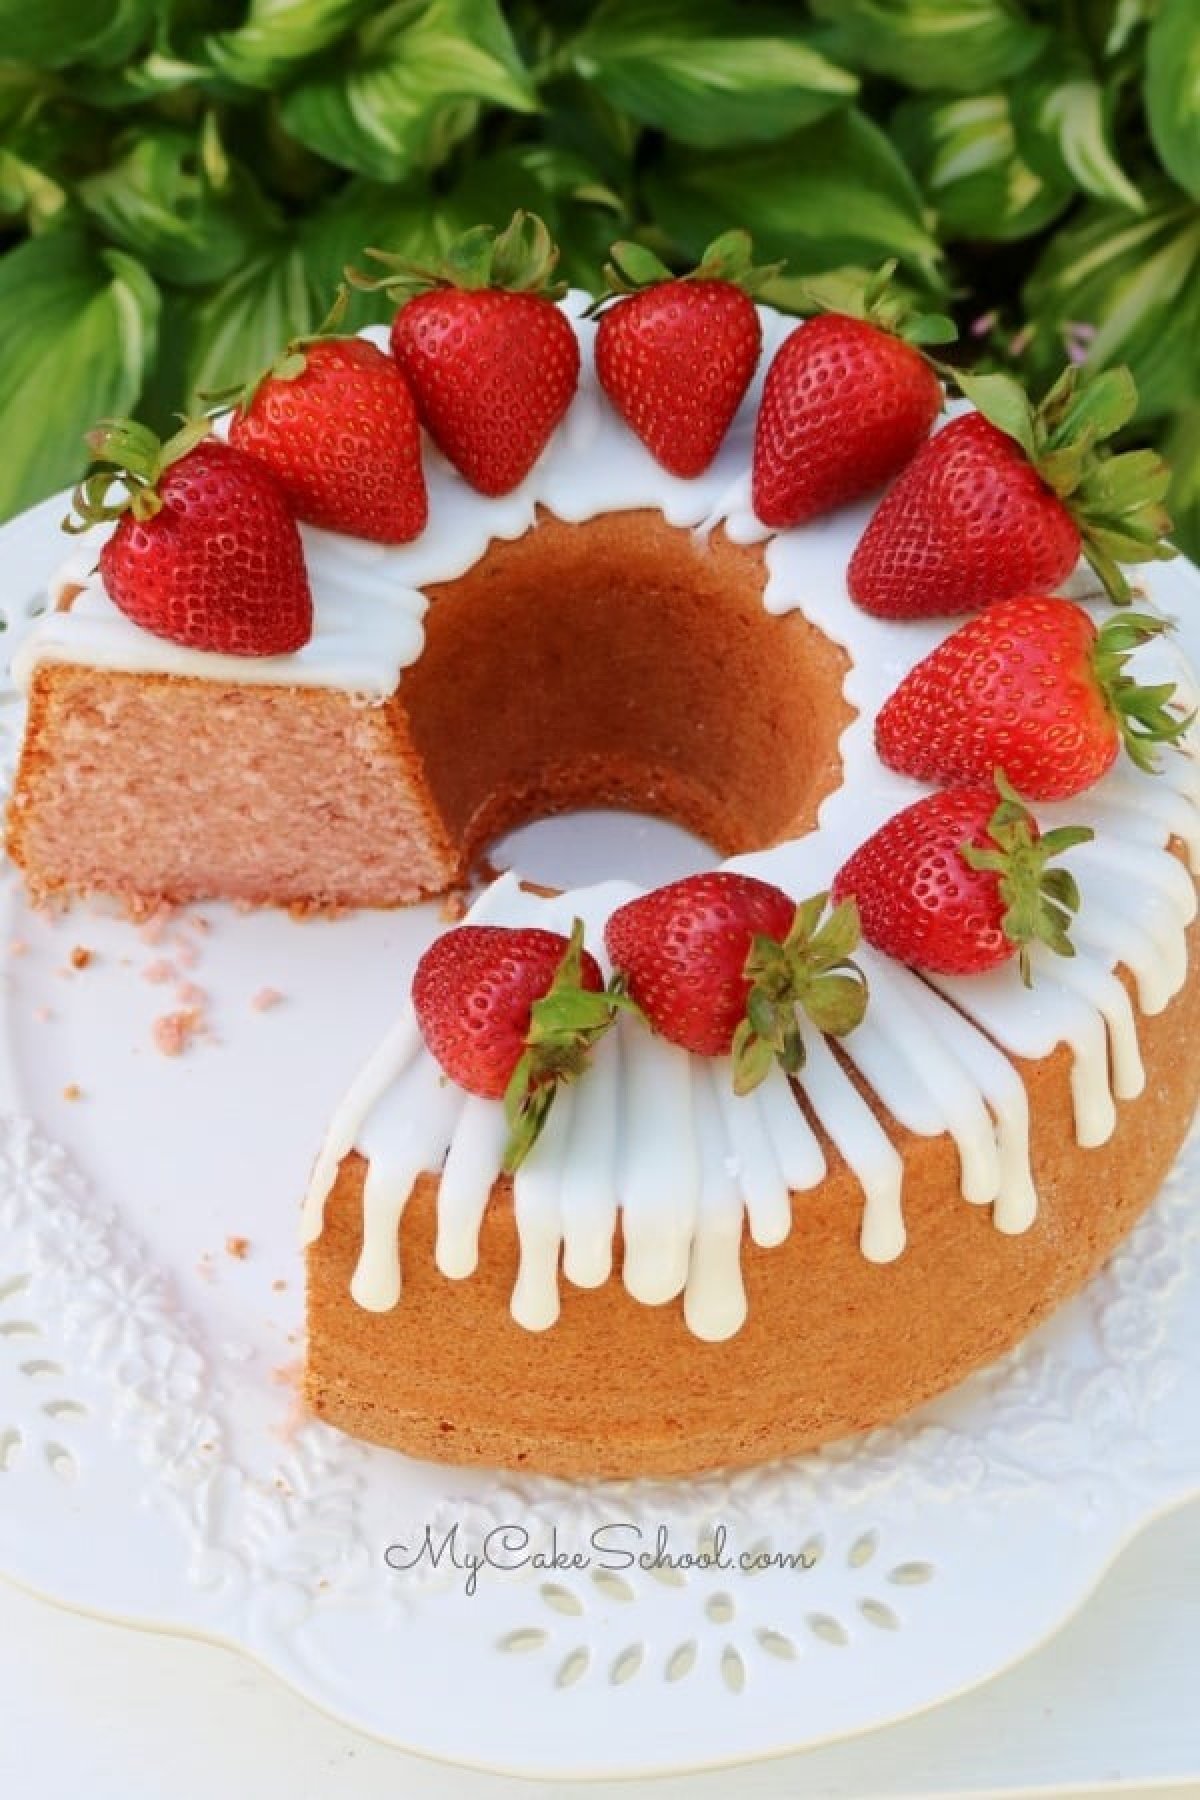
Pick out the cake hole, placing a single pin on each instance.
(775, 1643)
(13, 1284)
(626, 1665)
(827, 1628)
(40, 1367)
(622, 662)
(10, 1449)
(681, 1661)
(876, 1613)
(13, 1328)
(577, 849)
(719, 1608)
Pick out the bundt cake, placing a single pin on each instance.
(677, 1276)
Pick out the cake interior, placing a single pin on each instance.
(618, 662)
(623, 662)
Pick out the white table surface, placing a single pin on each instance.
(92, 1711)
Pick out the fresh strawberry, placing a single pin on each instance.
(848, 401)
(491, 359)
(958, 883)
(206, 551)
(1001, 501)
(675, 354)
(719, 963)
(512, 1014)
(335, 422)
(1032, 687)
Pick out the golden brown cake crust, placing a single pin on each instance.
(833, 1343)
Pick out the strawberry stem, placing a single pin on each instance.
(1115, 498)
(136, 458)
(521, 259)
(876, 299)
(565, 1025)
(633, 267)
(811, 970)
(290, 362)
(1142, 713)
(1039, 902)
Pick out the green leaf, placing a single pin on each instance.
(709, 72)
(1128, 290)
(176, 205)
(242, 325)
(51, 34)
(1004, 402)
(963, 46)
(406, 86)
(279, 34)
(78, 329)
(1172, 87)
(1181, 447)
(1064, 125)
(834, 193)
(134, 82)
(964, 153)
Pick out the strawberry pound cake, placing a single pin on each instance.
(652, 1183)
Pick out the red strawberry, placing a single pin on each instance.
(675, 356)
(844, 407)
(958, 883)
(1000, 505)
(206, 551)
(336, 423)
(1031, 687)
(491, 359)
(719, 963)
(511, 1014)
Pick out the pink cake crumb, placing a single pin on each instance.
(152, 931)
(159, 971)
(291, 1375)
(265, 999)
(188, 994)
(186, 954)
(80, 957)
(173, 1032)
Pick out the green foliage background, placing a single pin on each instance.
(182, 181)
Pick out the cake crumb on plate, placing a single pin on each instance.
(174, 1031)
(237, 1247)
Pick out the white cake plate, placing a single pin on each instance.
(155, 1467)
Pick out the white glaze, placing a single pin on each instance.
(654, 1139)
